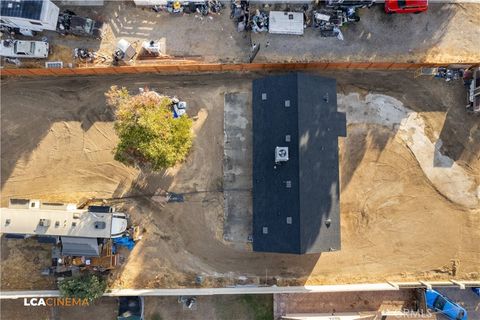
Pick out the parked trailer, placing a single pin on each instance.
(63, 222)
(24, 49)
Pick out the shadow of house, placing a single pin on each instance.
(295, 164)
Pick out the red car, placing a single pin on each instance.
(406, 6)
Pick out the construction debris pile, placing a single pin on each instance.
(204, 7)
(327, 17)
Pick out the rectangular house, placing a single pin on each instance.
(296, 191)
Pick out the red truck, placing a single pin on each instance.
(406, 6)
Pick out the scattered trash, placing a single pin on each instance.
(240, 13)
(449, 74)
(329, 21)
(260, 22)
(179, 108)
(14, 61)
(84, 55)
(202, 7)
(188, 302)
(174, 197)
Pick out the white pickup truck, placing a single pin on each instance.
(24, 49)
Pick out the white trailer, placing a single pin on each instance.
(29, 15)
(24, 49)
(36, 219)
(280, 22)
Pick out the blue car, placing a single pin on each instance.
(440, 303)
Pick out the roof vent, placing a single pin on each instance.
(265, 230)
(100, 225)
(287, 138)
(328, 222)
(44, 223)
(264, 96)
(7, 222)
(289, 220)
(287, 103)
(281, 154)
(288, 184)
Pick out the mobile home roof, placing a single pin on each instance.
(56, 223)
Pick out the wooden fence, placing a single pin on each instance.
(218, 67)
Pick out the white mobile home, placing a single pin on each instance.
(64, 222)
(29, 15)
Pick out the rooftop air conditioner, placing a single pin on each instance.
(281, 154)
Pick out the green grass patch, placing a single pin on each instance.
(260, 305)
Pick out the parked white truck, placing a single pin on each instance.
(32, 218)
(24, 49)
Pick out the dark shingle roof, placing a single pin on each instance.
(28, 9)
(294, 199)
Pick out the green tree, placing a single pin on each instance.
(147, 130)
(89, 286)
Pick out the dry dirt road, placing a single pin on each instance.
(400, 220)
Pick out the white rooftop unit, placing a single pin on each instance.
(281, 154)
(285, 22)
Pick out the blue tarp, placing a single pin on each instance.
(124, 241)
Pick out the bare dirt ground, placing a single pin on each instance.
(433, 36)
(210, 307)
(344, 302)
(398, 222)
(445, 33)
(226, 307)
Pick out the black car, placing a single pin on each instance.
(130, 308)
(69, 23)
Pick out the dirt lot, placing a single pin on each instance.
(401, 219)
(345, 302)
(445, 33)
(156, 308)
